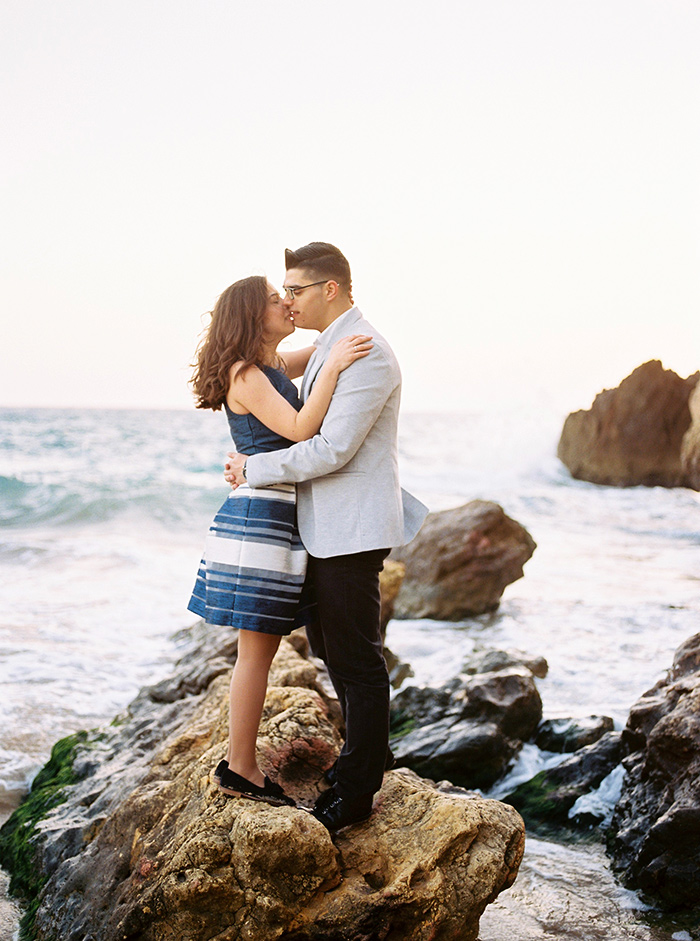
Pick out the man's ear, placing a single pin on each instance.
(332, 290)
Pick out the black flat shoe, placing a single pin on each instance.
(234, 785)
(220, 768)
(330, 775)
(336, 812)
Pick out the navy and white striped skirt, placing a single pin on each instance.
(254, 564)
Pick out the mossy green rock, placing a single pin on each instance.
(18, 835)
(541, 801)
(545, 800)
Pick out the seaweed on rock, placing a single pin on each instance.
(18, 833)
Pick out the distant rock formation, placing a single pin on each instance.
(125, 834)
(469, 730)
(633, 435)
(460, 562)
(690, 448)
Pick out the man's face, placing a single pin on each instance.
(307, 309)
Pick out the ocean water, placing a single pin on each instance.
(102, 518)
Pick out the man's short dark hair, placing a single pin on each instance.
(320, 260)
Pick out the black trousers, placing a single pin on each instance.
(347, 637)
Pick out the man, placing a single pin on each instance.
(351, 511)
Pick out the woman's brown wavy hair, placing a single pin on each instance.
(234, 334)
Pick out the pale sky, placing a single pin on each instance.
(515, 184)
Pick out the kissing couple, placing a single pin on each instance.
(315, 508)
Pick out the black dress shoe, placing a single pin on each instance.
(234, 785)
(331, 774)
(336, 812)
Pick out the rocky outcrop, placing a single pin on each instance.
(633, 435)
(568, 735)
(125, 835)
(654, 835)
(655, 831)
(460, 562)
(469, 730)
(690, 447)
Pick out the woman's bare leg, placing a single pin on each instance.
(248, 687)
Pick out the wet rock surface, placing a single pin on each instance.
(469, 730)
(654, 835)
(545, 800)
(568, 735)
(144, 846)
(460, 562)
(568, 892)
(655, 831)
(634, 434)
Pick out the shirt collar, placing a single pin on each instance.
(336, 329)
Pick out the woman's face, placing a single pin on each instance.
(277, 323)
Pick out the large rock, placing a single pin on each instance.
(690, 447)
(656, 825)
(126, 836)
(460, 562)
(633, 435)
(469, 730)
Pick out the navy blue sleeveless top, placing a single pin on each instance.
(249, 434)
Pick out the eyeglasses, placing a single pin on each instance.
(292, 292)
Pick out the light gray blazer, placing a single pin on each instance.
(347, 476)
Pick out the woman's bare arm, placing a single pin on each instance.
(253, 392)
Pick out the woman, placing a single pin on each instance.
(253, 568)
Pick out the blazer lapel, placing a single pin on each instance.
(323, 344)
(312, 368)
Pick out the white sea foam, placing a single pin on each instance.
(601, 802)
